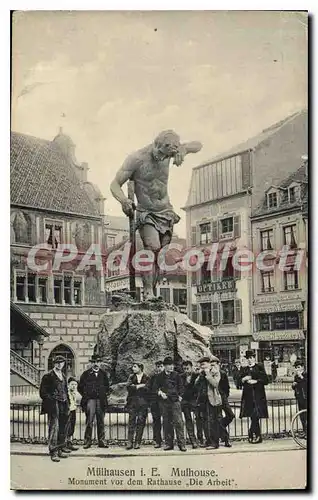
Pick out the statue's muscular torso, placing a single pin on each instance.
(151, 180)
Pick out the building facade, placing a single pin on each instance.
(223, 194)
(52, 203)
(280, 288)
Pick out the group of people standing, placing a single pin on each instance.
(195, 400)
(59, 402)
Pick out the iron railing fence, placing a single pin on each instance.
(23, 390)
(279, 385)
(27, 423)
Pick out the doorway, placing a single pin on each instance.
(65, 351)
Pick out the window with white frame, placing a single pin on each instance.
(77, 291)
(20, 287)
(206, 313)
(205, 233)
(228, 312)
(290, 238)
(267, 239)
(290, 280)
(272, 200)
(180, 296)
(30, 288)
(58, 287)
(68, 289)
(267, 281)
(226, 225)
(42, 288)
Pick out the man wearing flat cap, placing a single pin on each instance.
(213, 389)
(253, 403)
(169, 388)
(94, 388)
(55, 403)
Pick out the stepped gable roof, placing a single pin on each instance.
(43, 177)
(253, 142)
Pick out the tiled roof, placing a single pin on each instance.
(41, 177)
(253, 141)
(301, 177)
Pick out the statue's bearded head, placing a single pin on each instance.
(166, 144)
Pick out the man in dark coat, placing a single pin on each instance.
(154, 401)
(94, 388)
(169, 388)
(55, 402)
(253, 402)
(236, 373)
(300, 388)
(137, 405)
(213, 389)
(188, 403)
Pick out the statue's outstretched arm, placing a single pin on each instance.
(186, 148)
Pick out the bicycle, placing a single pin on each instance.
(298, 433)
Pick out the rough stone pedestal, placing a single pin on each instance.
(138, 333)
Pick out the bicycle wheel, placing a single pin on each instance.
(298, 433)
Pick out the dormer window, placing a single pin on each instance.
(272, 200)
(293, 193)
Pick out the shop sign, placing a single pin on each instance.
(254, 345)
(117, 285)
(216, 286)
(273, 298)
(214, 297)
(279, 335)
(278, 307)
(224, 339)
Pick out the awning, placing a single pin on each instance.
(278, 307)
(19, 317)
(279, 335)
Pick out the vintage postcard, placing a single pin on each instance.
(159, 243)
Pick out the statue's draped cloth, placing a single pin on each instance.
(162, 221)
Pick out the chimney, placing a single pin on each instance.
(84, 169)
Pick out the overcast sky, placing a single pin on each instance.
(113, 80)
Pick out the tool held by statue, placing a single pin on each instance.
(132, 239)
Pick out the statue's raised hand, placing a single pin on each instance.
(128, 208)
(180, 155)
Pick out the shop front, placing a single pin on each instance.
(279, 331)
(281, 349)
(226, 348)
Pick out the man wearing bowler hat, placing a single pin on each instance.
(94, 388)
(253, 403)
(55, 402)
(169, 388)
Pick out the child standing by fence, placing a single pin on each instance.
(72, 392)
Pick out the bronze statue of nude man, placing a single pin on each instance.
(149, 169)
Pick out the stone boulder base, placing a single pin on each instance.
(128, 336)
